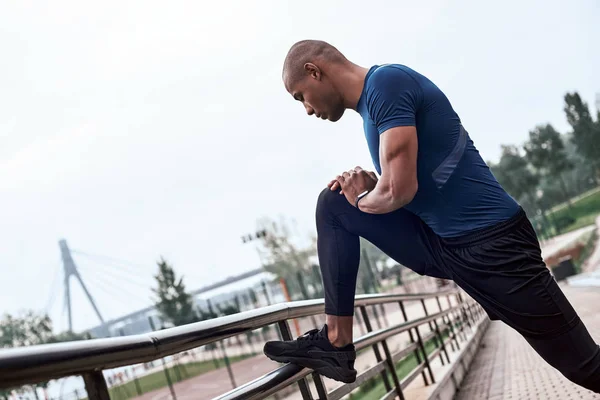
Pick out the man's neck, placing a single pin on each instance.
(350, 80)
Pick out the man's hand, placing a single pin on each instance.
(398, 184)
(353, 183)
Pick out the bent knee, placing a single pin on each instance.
(329, 200)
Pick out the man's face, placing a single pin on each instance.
(318, 96)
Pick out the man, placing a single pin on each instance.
(435, 208)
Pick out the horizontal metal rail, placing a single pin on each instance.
(288, 374)
(89, 357)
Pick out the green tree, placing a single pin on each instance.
(69, 337)
(173, 302)
(284, 258)
(518, 178)
(586, 132)
(545, 150)
(29, 329)
(583, 175)
(515, 175)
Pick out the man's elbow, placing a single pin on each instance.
(405, 194)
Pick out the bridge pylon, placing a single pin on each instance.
(70, 270)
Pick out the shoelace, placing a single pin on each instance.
(313, 334)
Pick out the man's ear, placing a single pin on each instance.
(313, 71)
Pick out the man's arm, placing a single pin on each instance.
(398, 183)
(393, 97)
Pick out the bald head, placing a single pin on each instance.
(317, 52)
(319, 76)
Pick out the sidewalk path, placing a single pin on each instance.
(506, 367)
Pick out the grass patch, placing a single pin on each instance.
(158, 380)
(584, 212)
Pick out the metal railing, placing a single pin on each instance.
(445, 327)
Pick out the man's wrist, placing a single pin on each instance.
(360, 197)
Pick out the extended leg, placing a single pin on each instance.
(574, 353)
(508, 277)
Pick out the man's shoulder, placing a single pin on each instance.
(393, 81)
(386, 73)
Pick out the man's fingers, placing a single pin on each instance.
(340, 181)
(372, 175)
(357, 169)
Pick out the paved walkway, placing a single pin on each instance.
(506, 367)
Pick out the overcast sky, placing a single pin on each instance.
(140, 129)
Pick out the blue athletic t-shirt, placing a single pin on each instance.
(457, 192)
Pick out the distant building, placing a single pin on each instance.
(220, 295)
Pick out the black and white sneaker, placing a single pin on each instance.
(314, 350)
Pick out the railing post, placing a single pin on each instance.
(455, 319)
(386, 382)
(168, 376)
(392, 367)
(463, 324)
(376, 316)
(469, 311)
(449, 301)
(321, 391)
(443, 346)
(479, 311)
(439, 303)
(446, 320)
(384, 315)
(425, 355)
(453, 332)
(138, 389)
(452, 318)
(435, 332)
(228, 365)
(464, 311)
(461, 315)
(286, 334)
(95, 385)
(427, 315)
(360, 324)
(412, 340)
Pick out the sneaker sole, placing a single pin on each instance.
(336, 373)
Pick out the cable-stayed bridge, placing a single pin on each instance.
(122, 282)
